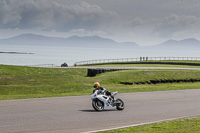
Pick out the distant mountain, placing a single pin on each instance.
(190, 43)
(31, 39)
(169, 43)
(90, 41)
(97, 42)
(73, 41)
(30, 36)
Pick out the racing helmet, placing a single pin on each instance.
(96, 85)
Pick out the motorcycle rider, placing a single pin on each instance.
(101, 89)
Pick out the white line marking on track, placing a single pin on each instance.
(140, 124)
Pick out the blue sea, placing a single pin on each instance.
(42, 55)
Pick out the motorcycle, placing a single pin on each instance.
(102, 101)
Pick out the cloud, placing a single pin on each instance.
(8, 14)
(83, 32)
(177, 23)
(135, 22)
(52, 15)
(128, 20)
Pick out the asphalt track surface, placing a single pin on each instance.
(75, 114)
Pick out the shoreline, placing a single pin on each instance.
(15, 53)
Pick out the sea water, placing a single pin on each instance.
(41, 55)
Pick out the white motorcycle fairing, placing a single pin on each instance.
(105, 99)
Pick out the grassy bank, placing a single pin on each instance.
(145, 65)
(191, 125)
(167, 63)
(17, 82)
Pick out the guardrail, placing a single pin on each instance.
(44, 65)
(106, 61)
(135, 59)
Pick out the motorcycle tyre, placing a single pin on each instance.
(121, 105)
(94, 105)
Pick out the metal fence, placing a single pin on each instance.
(135, 59)
(44, 65)
(172, 58)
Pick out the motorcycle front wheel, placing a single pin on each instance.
(120, 105)
(97, 105)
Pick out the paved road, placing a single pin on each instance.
(75, 114)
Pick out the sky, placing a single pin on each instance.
(145, 22)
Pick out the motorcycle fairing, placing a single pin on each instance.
(105, 99)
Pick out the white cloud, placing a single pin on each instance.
(128, 20)
(78, 31)
(8, 14)
(51, 15)
(134, 22)
(177, 23)
(83, 32)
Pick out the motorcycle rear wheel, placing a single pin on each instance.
(97, 105)
(120, 106)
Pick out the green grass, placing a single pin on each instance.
(145, 65)
(141, 64)
(190, 125)
(18, 82)
(114, 78)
